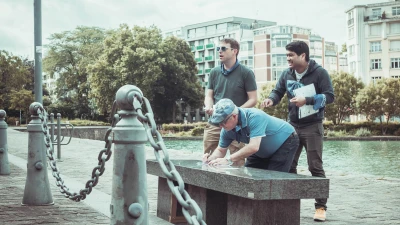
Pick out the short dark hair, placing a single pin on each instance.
(299, 47)
(234, 44)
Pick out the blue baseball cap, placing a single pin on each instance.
(222, 110)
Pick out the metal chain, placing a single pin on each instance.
(166, 165)
(103, 157)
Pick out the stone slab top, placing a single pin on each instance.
(247, 182)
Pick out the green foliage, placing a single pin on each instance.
(280, 110)
(11, 120)
(178, 127)
(14, 75)
(164, 70)
(363, 132)
(197, 131)
(346, 87)
(69, 54)
(341, 133)
(78, 122)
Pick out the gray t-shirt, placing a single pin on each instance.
(234, 86)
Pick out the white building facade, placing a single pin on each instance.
(373, 41)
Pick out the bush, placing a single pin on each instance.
(11, 121)
(397, 132)
(341, 133)
(363, 132)
(78, 122)
(197, 131)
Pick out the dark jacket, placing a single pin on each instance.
(323, 85)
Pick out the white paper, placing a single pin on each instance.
(306, 91)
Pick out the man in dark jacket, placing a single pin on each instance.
(301, 72)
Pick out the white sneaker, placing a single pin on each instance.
(320, 214)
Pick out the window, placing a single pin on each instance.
(351, 32)
(394, 28)
(375, 46)
(395, 63)
(395, 45)
(375, 79)
(395, 11)
(279, 60)
(376, 64)
(376, 13)
(276, 73)
(352, 50)
(352, 67)
(396, 77)
(280, 42)
(374, 30)
(350, 15)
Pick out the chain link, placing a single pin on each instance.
(168, 168)
(104, 156)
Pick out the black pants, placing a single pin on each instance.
(281, 160)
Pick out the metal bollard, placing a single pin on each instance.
(129, 203)
(37, 187)
(4, 165)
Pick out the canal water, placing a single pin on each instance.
(378, 158)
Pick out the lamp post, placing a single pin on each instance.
(37, 14)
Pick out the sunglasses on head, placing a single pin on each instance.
(223, 48)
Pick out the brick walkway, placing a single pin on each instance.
(353, 199)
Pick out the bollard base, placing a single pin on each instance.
(46, 204)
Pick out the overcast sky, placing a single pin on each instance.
(325, 17)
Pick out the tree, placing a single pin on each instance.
(391, 96)
(345, 87)
(344, 48)
(280, 110)
(69, 54)
(21, 100)
(13, 76)
(164, 71)
(178, 70)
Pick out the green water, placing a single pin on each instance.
(379, 158)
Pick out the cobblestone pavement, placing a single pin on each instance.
(354, 199)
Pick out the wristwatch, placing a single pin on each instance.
(229, 161)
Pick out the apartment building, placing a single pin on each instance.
(373, 40)
(270, 52)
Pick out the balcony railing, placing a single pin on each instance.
(200, 47)
(200, 72)
(200, 59)
(192, 48)
(375, 50)
(209, 58)
(208, 70)
(210, 45)
(383, 16)
(394, 49)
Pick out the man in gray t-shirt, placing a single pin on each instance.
(230, 80)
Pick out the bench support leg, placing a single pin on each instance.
(263, 212)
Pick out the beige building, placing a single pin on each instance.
(373, 40)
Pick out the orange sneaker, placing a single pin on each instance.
(320, 214)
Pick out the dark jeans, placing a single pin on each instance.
(281, 160)
(311, 137)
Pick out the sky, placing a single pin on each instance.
(325, 17)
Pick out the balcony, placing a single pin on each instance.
(209, 58)
(208, 70)
(210, 46)
(199, 60)
(192, 48)
(200, 72)
(200, 47)
(375, 50)
(383, 16)
(350, 22)
(394, 49)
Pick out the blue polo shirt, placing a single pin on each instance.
(256, 123)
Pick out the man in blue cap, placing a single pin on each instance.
(270, 142)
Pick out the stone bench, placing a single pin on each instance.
(237, 196)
